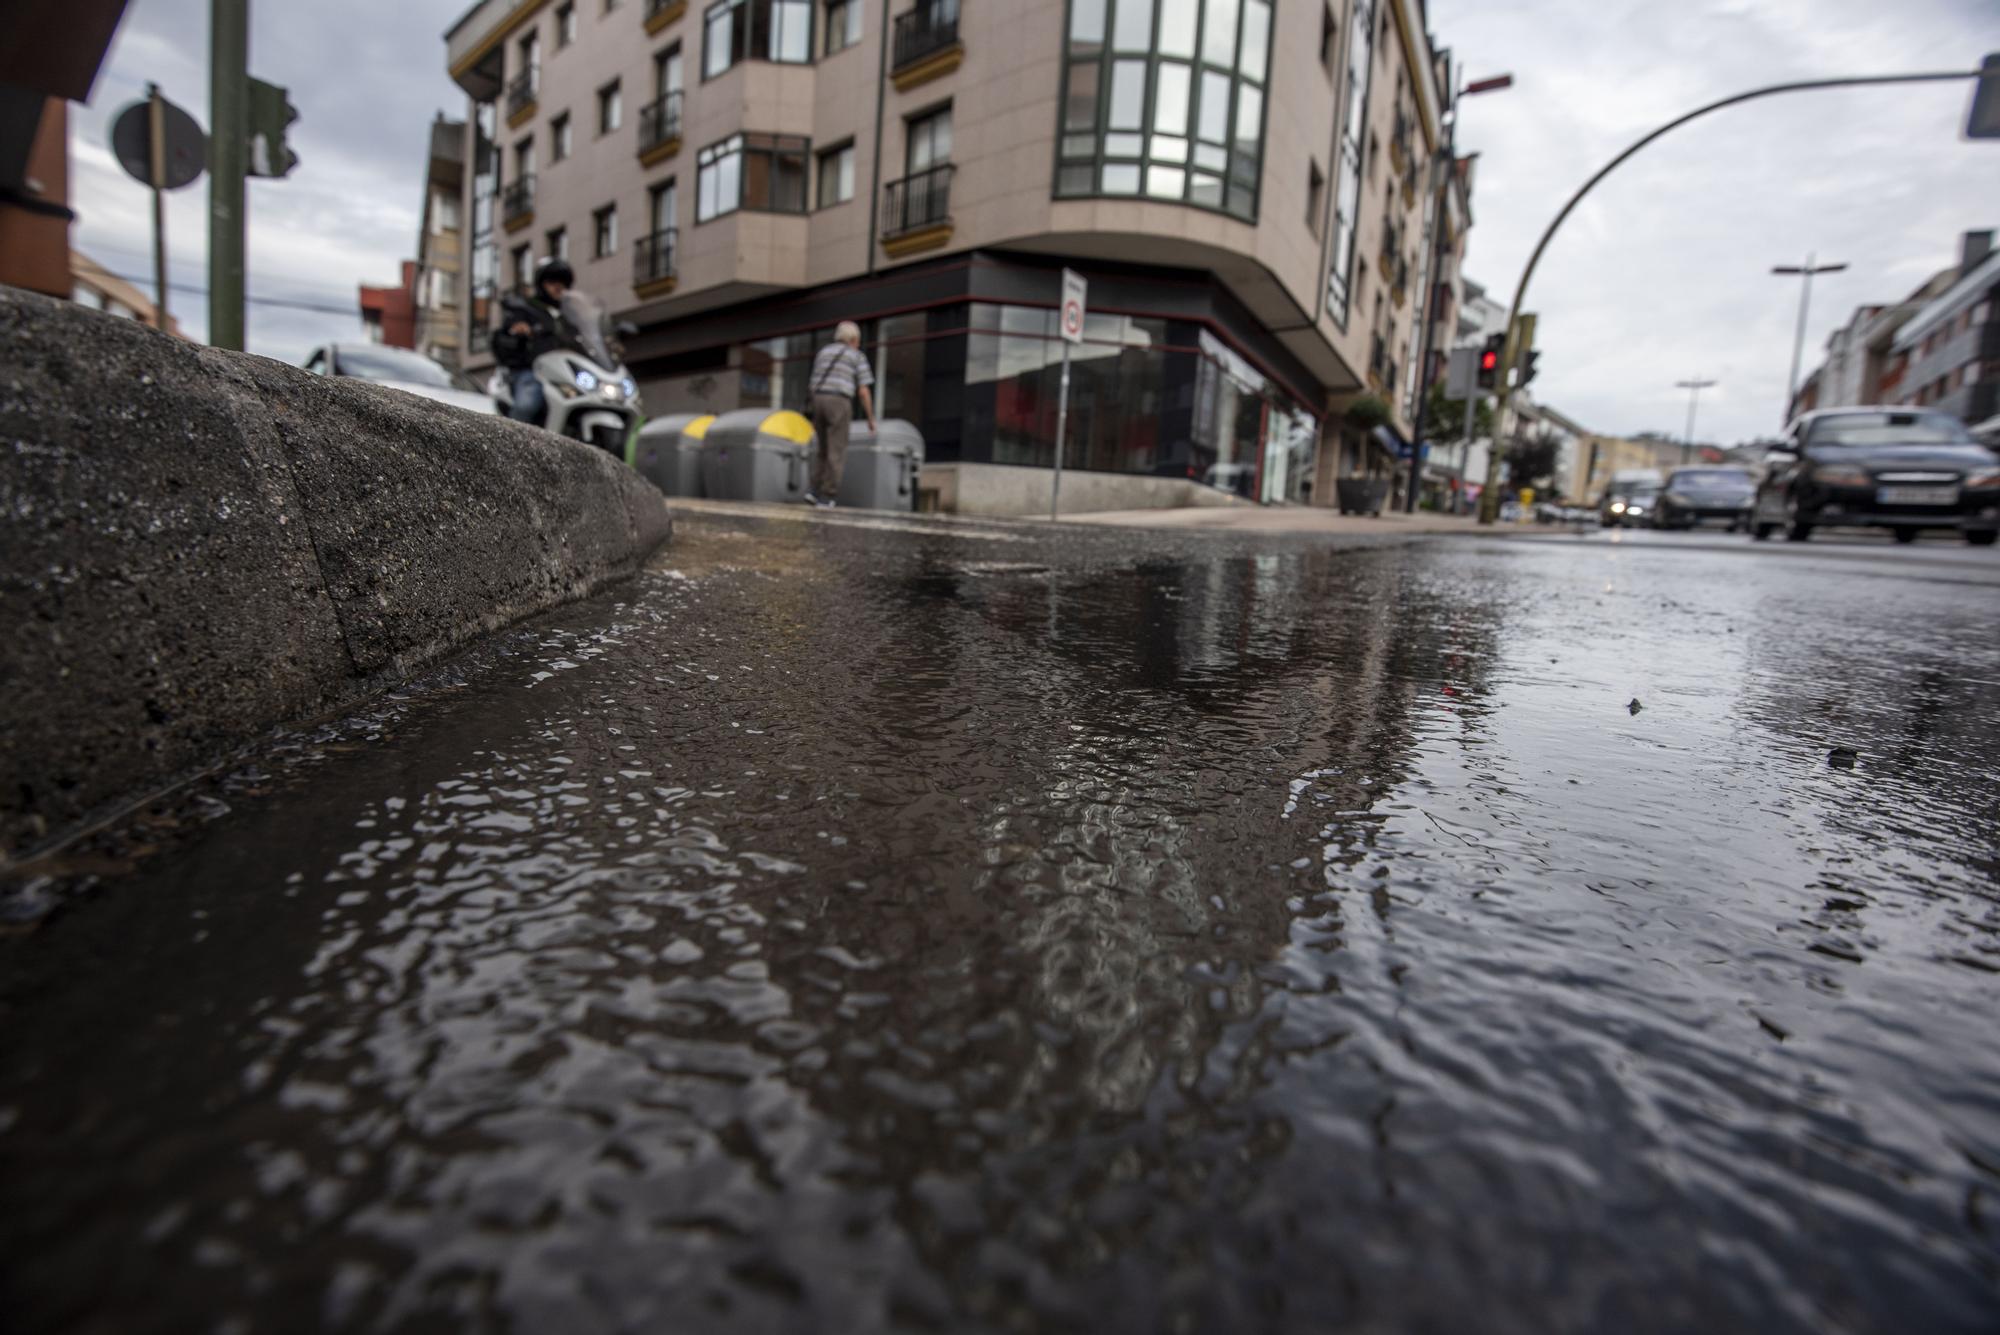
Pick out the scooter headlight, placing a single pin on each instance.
(585, 380)
(630, 386)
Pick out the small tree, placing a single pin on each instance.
(1532, 458)
(1447, 418)
(1368, 411)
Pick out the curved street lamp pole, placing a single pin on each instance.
(1489, 497)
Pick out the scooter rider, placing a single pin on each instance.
(531, 325)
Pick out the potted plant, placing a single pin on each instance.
(1364, 495)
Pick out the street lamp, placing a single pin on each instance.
(1446, 168)
(1694, 389)
(1805, 272)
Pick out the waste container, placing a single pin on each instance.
(882, 467)
(755, 454)
(669, 453)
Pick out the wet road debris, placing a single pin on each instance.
(864, 927)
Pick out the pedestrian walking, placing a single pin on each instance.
(839, 373)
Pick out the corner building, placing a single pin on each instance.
(1243, 183)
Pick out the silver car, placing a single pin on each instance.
(401, 369)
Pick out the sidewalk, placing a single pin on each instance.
(1287, 519)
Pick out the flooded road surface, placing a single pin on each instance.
(865, 926)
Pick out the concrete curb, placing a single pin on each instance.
(201, 546)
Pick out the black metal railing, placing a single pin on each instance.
(522, 88)
(653, 256)
(919, 200)
(929, 28)
(660, 121)
(518, 199)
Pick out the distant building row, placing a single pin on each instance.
(1939, 347)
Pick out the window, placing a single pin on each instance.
(558, 240)
(766, 172)
(444, 212)
(559, 138)
(1347, 171)
(531, 51)
(565, 26)
(1165, 99)
(737, 30)
(843, 24)
(523, 267)
(667, 71)
(836, 175)
(524, 159)
(1329, 34)
(605, 224)
(1315, 197)
(662, 202)
(610, 108)
(929, 141)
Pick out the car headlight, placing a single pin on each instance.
(1985, 479)
(585, 380)
(1841, 475)
(1617, 507)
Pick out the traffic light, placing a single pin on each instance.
(1528, 360)
(268, 113)
(1489, 360)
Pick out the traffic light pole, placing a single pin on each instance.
(1489, 498)
(1448, 156)
(228, 153)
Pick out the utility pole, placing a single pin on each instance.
(228, 154)
(1805, 272)
(1694, 388)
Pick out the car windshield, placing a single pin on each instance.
(1716, 478)
(373, 363)
(1890, 429)
(1634, 491)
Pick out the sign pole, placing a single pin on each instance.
(156, 126)
(1069, 324)
(228, 91)
(1062, 430)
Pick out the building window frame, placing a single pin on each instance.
(1352, 106)
(610, 108)
(562, 138)
(841, 158)
(843, 25)
(604, 231)
(755, 30)
(1084, 151)
(565, 24)
(721, 186)
(521, 263)
(557, 242)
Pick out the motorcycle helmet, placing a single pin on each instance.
(554, 269)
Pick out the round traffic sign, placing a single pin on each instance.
(1072, 318)
(186, 147)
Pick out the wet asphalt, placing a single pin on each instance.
(865, 924)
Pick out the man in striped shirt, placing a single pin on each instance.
(839, 372)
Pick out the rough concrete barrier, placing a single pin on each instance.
(201, 545)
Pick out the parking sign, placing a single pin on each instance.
(1072, 306)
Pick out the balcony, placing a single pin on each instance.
(917, 212)
(660, 129)
(517, 203)
(926, 44)
(660, 13)
(521, 90)
(653, 263)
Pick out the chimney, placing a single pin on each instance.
(1973, 248)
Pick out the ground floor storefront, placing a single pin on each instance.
(1172, 379)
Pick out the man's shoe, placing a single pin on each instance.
(811, 499)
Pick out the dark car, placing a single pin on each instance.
(1703, 495)
(1903, 469)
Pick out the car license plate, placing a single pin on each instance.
(1916, 495)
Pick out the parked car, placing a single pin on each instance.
(1629, 498)
(1903, 469)
(401, 369)
(1695, 496)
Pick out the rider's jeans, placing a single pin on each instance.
(530, 404)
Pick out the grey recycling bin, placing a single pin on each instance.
(669, 452)
(881, 468)
(755, 454)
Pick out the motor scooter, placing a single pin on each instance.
(590, 393)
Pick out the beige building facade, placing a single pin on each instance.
(440, 325)
(1246, 186)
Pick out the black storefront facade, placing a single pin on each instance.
(1173, 379)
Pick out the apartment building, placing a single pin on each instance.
(440, 332)
(1948, 355)
(1244, 185)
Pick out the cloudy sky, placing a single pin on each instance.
(1663, 275)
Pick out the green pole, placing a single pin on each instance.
(228, 89)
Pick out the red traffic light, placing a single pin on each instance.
(1489, 360)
